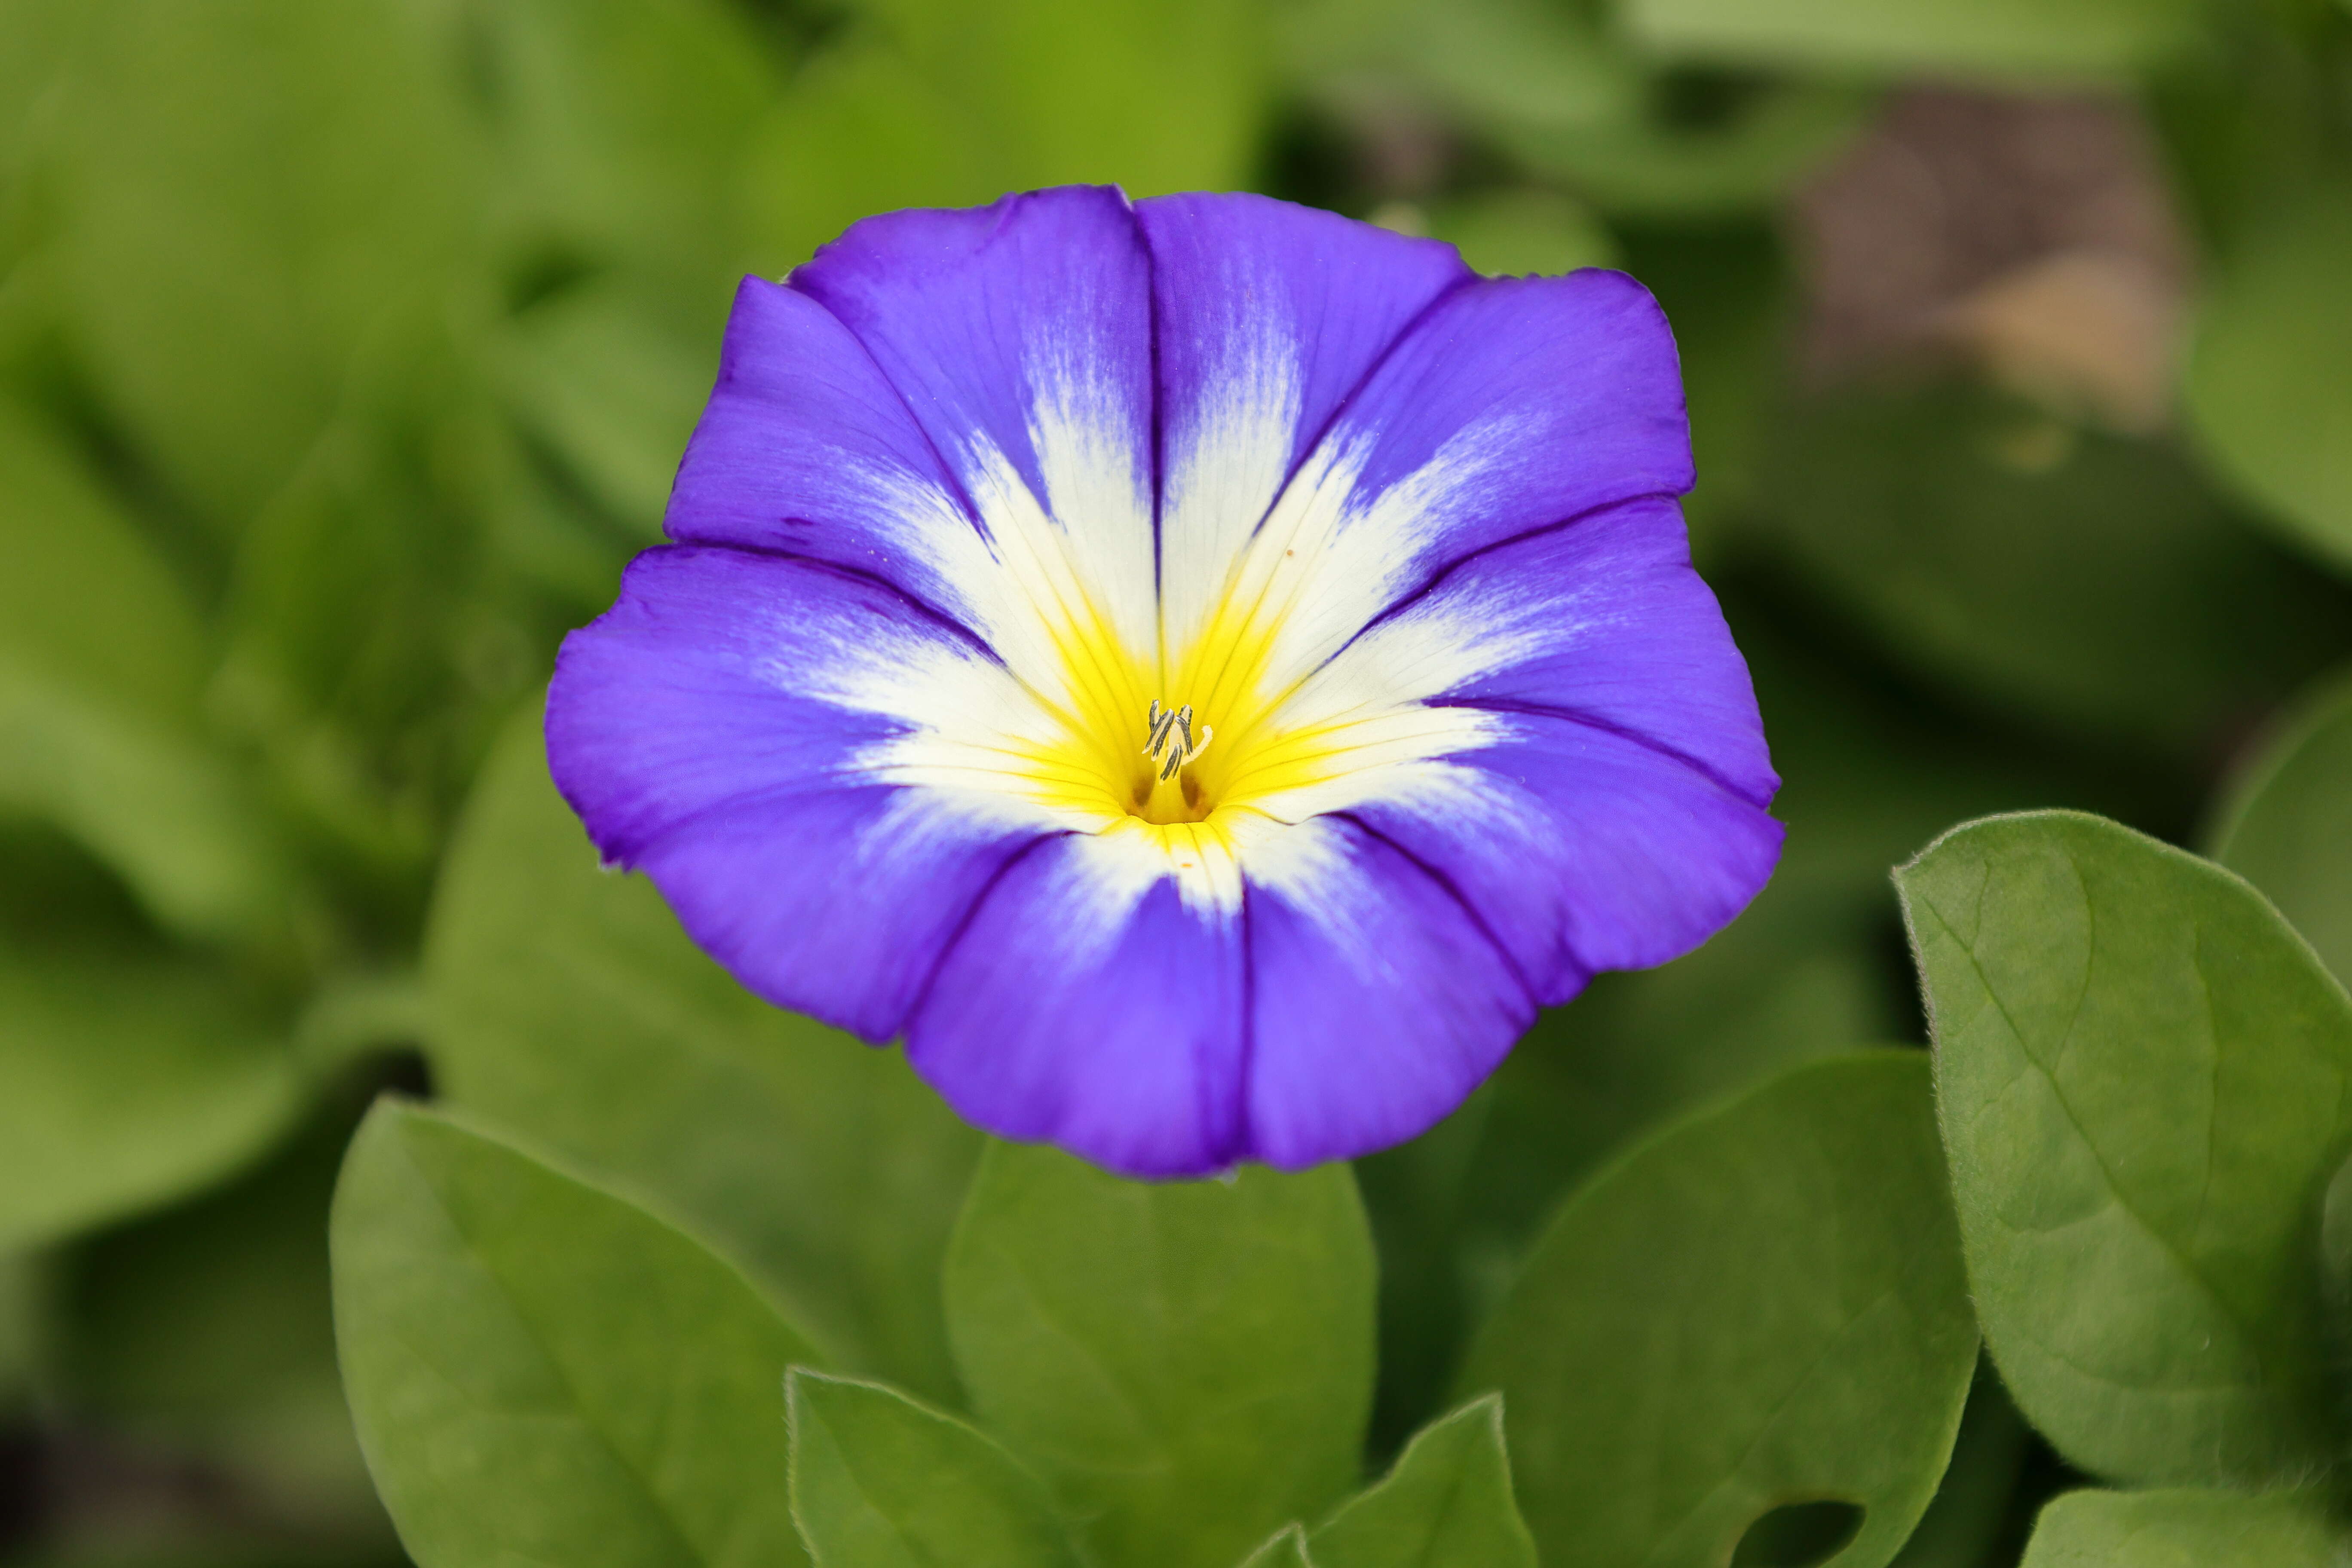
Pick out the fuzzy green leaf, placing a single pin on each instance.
(1762, 1306)
(2143, 1076)
(2183, 1530)
(1189, 1365)
(1446, 1504)
(879, 1481)
(542, 1372)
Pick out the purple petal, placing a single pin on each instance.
(1377, 1001)
(682, 726)
(1603, 620)
(1110, 1028)
(1595, 850)
(1269, 316)
(1623, 821)
(980, 316)
(806, 449)
(1516, 404)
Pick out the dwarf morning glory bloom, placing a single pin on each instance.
(1203, 670)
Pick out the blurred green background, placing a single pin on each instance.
(347, 347)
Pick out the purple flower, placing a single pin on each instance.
(1203, 670)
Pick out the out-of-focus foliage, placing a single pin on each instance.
(345, 355)
(2285, 825)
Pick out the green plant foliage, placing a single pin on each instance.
(2080, 579)
(1649, 164)
(2142, 1074)
(127, 1078)
(569, 1005)
(100, 661)
(1155, 95)
(599, 378)
(1998, 39)
(1447, 1504)
(307, 171)
(543, 1372)
(2286, 824)
(206, 1328)
(879, 1481)
(1187, 1366)
(619, 125)
(1763, 1306)
(860, 132)
(2266, 382)
(1287, 1549)
(2182, 1529)
(1964, 1526)
(1513, 62)
(1515, 233)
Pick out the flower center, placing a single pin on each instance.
(1167, 793)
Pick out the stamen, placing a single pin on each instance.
(1172, 733)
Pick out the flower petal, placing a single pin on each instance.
(1583, 848)
(1269, 315)
(1089, 1005)
(1603, 620)
(1377, 1001)
(1607, 810)
(1511, 405)
(1020, 335)
(724, 727)
(1516, 404)
(807, 449)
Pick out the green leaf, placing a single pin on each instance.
(128, 1077)
(1997, 38)
(1761, 1307)
(2079, 579)
(1965, 1526)
(1446, 1504)
(1515, 233)
(206, 1331)
(1506, 62)
(2266, 387)
(101, 663)
(2143, 1078)
(2286, 824)
(1644, 165)
(1287, 1549)
(600, 379)
(307, 171)
(861, 131)
(619, 124)
(1154, 95)
(880, 1482)
(1188, 1364)
(541, 1371)
(2182, 1529)
(569, 1005)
